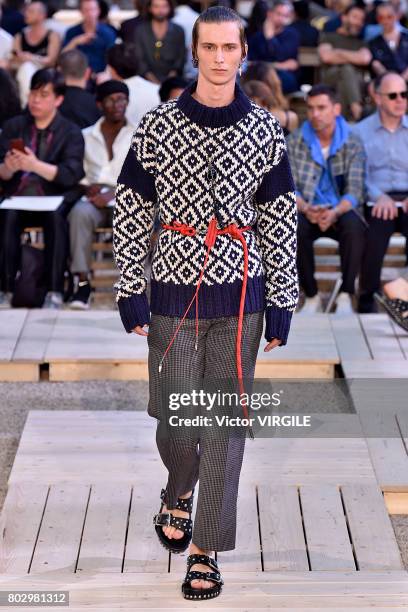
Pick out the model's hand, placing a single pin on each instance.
(272, 344)
(140, 331)
(385, 208)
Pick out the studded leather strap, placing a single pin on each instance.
(205, 559)
(166, 518)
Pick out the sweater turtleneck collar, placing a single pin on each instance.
(214, 116)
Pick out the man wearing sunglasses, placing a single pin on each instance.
(385, 138)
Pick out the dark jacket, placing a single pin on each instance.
(395, 61)
(65, 150)
(79, 106)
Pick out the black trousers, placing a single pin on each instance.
(378, 237)
(349, 231)
(55, 227)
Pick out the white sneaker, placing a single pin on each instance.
(53, 300)
(5, 299)
(344, 305)
(312, 305)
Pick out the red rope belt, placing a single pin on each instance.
(211, 235)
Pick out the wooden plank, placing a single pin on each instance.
(242, 591)
(370, 528)
(35, 335)
(93, 336)
(311, 341)
(327, 538)
(11, 324)
(350, 340)
(103, 540)
(144, 552)
(283, 543)
(246, 557)
(19, 372)
(376, 368)
(396, 503)
(76, 371)
(19, 523)
(380, 337)
(294, 370)
(60, 534)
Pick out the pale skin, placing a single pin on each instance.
(391, 114)
(322, 113)
(219, 55)
(43, 105)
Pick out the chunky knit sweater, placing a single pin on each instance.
(178, 150)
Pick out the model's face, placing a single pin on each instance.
(353, 22)
(160, 9)
(114, 107)
(43, 102)
(322, 112)
(219, 51)
(392, 84)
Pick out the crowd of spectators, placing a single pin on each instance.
(71, 98)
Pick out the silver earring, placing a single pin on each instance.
(240, 70)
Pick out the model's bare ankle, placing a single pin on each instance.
(196, 550)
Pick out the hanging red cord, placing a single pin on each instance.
(211, 236)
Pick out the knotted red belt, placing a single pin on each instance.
(212, 232)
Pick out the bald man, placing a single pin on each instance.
(385, 138)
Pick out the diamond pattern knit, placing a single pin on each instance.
(167, 170)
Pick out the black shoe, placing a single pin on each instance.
(82, 297)
(162, 519)
(397, 309)
(188, 591)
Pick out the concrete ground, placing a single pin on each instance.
(16, 399)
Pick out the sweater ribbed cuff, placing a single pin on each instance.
(277, 323)
(134, 310)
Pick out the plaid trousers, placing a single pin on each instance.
(206, 454)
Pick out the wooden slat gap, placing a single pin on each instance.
(304, 528)
(38, 530)
(83, 529)
(353, 550)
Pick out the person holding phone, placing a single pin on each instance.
(41, 154)
(328, 166)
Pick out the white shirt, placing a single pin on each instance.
(97, 166)
(6, 44)
(143, 96)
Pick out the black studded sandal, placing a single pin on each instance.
(188, 591)
(397, 309)
(163, 519)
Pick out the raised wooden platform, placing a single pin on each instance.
(93, 345)
(313, 529)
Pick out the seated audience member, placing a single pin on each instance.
(104, 17)
(390, 49)
(394, 298)
(185, 16)
(9, 100)
(6, 45)
(385, 138)
(79, 104)
(327, 162)
(34, 47)
(160, 43)
(90, 36)
(308, 34)
(172, 88)
(143, 94)
(106, 146)
(127, 31)
(274, 102)
(51, 164)
(334, 21)
(344, 55)
(278, 42)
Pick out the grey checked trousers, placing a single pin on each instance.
(202, 454)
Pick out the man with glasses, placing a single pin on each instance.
(385, 138)
(106, 146)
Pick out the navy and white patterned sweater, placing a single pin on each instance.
(166, 170)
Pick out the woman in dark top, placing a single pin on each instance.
(34, 48)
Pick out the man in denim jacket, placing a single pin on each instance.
(328, 168)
